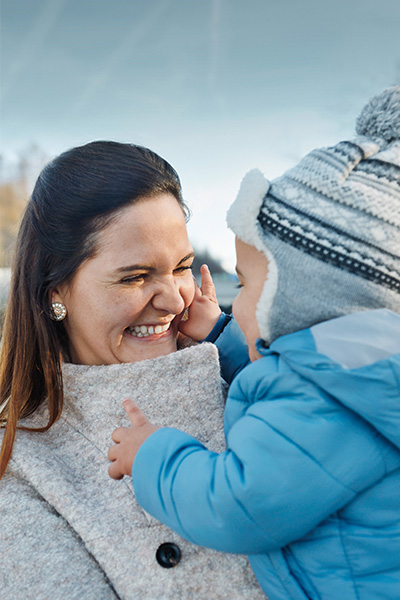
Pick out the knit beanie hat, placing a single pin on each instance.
(330, 226)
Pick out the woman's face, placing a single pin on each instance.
(125, 303)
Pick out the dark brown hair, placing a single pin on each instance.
(74, 198)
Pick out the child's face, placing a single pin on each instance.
(252, 270)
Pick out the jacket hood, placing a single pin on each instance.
(355, 359)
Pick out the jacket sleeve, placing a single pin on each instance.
(291, 461)
(232, 348)
(41, 556)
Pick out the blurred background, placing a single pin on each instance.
(215, 86)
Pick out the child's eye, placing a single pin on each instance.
(239, 285)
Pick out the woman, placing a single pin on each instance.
(101, 281)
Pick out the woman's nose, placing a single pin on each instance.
(170, 297)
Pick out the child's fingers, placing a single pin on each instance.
(114, 471)
(112, 453)
(116, 435)
(207, 284)
(136, 417)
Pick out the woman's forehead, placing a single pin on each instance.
(145, 232)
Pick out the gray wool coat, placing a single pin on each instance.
(68, 531)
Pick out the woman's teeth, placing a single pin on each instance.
(144, 331)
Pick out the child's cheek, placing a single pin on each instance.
(237, 311)
(244, 312)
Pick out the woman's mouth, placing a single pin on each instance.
(147, 330)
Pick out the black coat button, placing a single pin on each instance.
(168, 555)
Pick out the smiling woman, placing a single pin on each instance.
(101, 280)
(124, 304)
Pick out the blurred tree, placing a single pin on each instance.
(16, 179)
(13, 197)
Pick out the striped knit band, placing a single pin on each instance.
(349, 218)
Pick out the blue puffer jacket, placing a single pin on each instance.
(309, 486)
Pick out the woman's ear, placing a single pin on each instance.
(55, 296)
(59, 294)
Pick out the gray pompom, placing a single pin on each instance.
(380, 118)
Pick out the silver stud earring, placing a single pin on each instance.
(58, 311)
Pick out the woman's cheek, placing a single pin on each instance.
(188, 292)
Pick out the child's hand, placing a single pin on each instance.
(204, 311)
(128, 441)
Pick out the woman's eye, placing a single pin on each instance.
(134, 278)
(182, 269)
(239, 285)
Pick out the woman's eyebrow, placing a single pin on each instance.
(134, 268)
(187, 257)
(130, 268)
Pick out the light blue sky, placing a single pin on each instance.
(215, 86)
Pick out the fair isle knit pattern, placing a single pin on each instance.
(330, 226)
(329, 208)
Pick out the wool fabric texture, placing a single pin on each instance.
(330, 226)
(68, 531)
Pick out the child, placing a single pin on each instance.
(309, 485)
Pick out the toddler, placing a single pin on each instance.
(309, 484)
